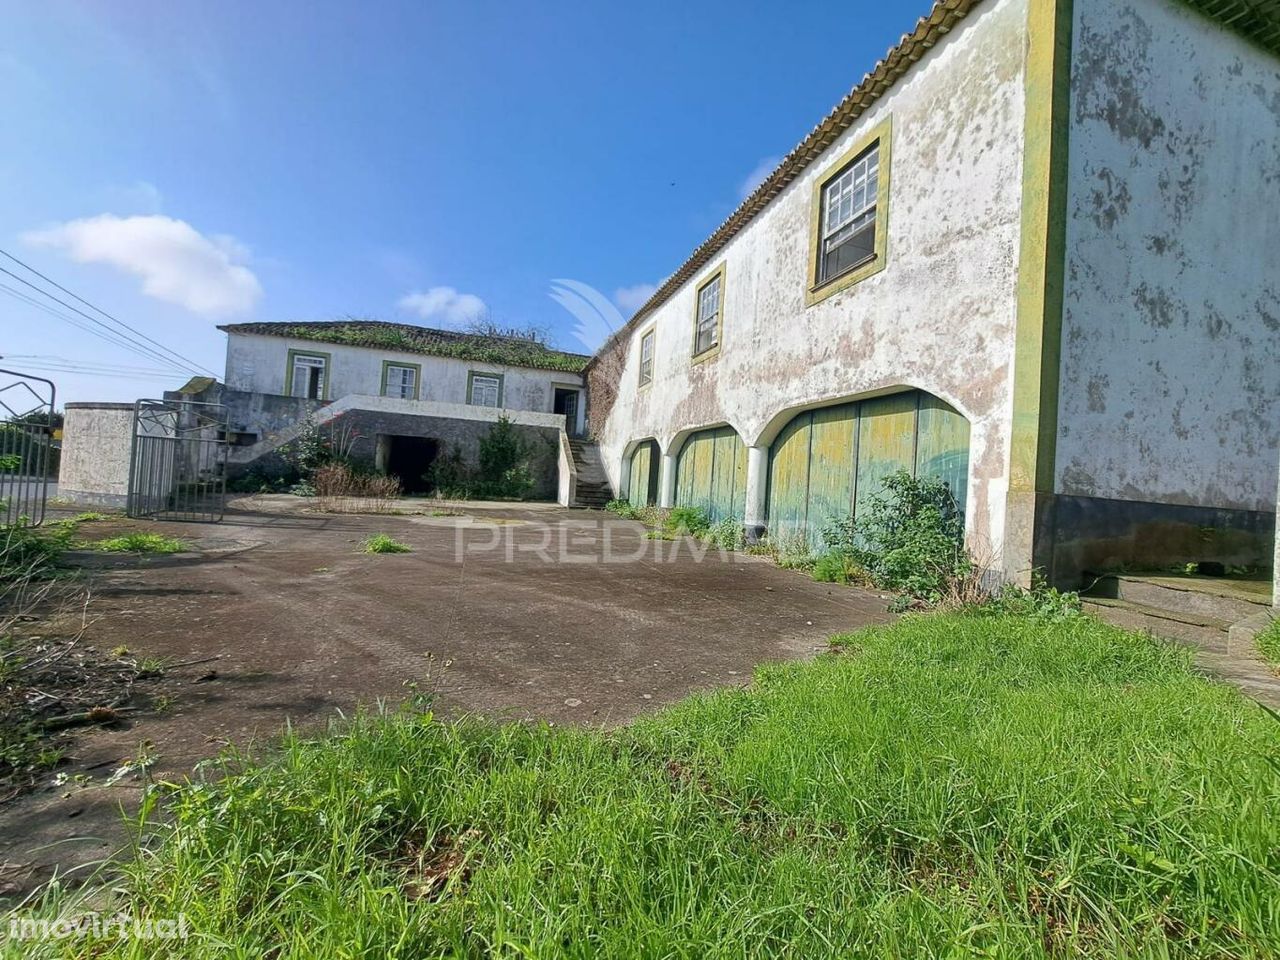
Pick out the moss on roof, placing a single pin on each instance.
(407, 338)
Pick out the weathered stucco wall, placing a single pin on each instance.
(257, 363)
(939, 317)
(96, 440)
(1171, 332)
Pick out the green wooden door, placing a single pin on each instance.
(711, 473)
(642, 483)
(826, 463)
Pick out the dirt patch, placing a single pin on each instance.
(547, 614)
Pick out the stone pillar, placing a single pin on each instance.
(667, 482)
(757, 483)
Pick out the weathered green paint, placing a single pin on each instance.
(942, 446)
(886, 441)
(711, 473)
(788, 500)
(825, 463)
(1042, 256)
(642, 486)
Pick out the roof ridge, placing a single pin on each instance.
(928, 31)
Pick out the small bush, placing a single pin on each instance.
(622, 508)
(501, 473)
(836, 567)
(909, 538)
(689, 521)
(727, 534)
(140, 543)
(383, 543)
(10, 462)
(1040, 602)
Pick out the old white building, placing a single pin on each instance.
(327, 361)
(1036, 251)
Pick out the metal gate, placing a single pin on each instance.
(27, 453)
(178, 460)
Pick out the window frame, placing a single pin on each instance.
(488, 375)
(715, 275)
(816, 289)
(651, 336)
(325, 378)
(417, 377)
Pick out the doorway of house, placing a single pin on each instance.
(566, 404)
(409, 458)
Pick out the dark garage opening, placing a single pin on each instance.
(409, 458)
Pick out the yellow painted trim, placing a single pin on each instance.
(288, 369)
(816, 292)
(708, 279)
(653, 372)
(1042, 258)
(417, 377)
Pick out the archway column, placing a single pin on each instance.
(667, 482)
(757, 485)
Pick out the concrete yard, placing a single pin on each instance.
(526, 612)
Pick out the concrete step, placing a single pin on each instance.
(1202, 632)
(1220, 598)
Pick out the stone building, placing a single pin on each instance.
(1036, 251)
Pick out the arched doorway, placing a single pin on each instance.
(642, 480)
(711, 473)
(826, 462)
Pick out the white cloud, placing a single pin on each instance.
(631, 299)
(757, 176)
(444, 305)
(177, 263)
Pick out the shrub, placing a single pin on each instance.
(1040, 602)
(727, 534)
(10, 462)
(909, 538)
(140, 543)
(689, 521)
(384, 543)
(622, 508)
(501, 473)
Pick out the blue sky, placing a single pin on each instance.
(183, 164)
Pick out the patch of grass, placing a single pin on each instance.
(951, 785)
(140, 543)
(1269, 643)
(90, 517)
(383, 543)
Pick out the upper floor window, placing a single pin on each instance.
(849, 216)
(400, 380)
(484, 389)
(646, 358)
(709, 313)
(307, 375)
(850, 210)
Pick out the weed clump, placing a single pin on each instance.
(140, 543)
(384, 543)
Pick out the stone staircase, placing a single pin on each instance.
(592, 490)
(1191, 609)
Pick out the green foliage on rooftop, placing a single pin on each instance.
(507, 351)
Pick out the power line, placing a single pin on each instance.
(85, 365)
(187, 361)
(136, 348)
(111, 338)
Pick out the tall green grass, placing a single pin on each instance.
(949, 786)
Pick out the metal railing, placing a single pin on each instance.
(27, 451)
(178, 461)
